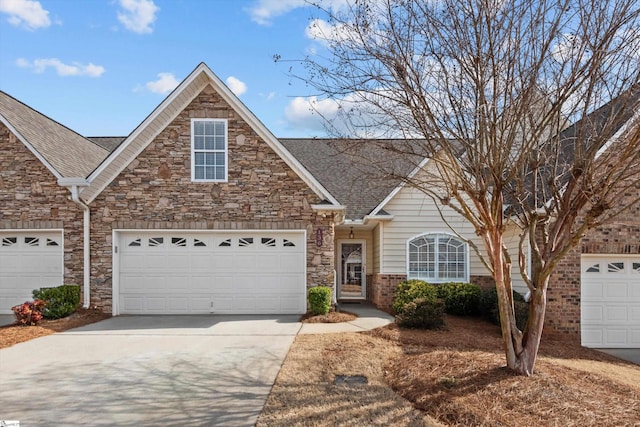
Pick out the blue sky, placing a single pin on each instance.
(101, 66)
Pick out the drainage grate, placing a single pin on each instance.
(350, 380)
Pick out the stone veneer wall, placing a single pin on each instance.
(31, 198)
(155, 192)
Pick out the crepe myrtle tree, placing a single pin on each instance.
(524, 108)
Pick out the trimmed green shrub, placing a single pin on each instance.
(60, 301)
(461, 299)
(410, 290)
(29, 312)
(489, 307)
(319, 299)
(422, 313)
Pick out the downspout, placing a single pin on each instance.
(72, 184)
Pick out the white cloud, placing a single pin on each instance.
(138, 15)
(325, 33)
(28, 14)
(166, 83)
(236, 85)
(310, 113)
(263, 11)
(62, 69)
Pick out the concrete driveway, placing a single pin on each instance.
(147, 370)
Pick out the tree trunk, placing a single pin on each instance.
(526, 360)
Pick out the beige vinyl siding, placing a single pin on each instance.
(512, 240)
(414, 214)
(375, 267)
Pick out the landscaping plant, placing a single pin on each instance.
(319, 300)
(29, 313)
(60, 301)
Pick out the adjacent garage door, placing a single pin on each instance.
(211, 272)
(28, 260)
(610, 301)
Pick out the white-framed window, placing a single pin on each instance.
(437, 257)
(209, 157)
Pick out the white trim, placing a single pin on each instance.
(623, 129)
(381, 247)
(395, 191)
(30, 147)
(467, 260)
(363, 281)
(226, 150)
(116, 251)
(239, 108)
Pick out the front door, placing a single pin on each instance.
(352, 274)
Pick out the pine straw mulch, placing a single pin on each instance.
(454, 377)
(331, 317)
(14, 334)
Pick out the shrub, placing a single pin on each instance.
(61, 301)
(489, 307)
(461, 299)
(29, 312)
(422, 313)
(410, 290)
(319, 299)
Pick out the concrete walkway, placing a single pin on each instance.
(368, 318)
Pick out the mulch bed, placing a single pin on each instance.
(331, 317)
(14, 334)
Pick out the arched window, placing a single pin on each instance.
(437, 258)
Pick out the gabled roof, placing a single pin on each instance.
(167, 111)
(65, 153)
(357, 172)
(109, 143)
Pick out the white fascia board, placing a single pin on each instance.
(395, 191)
(30, 147)
(623, 129)
(329, 208)
(269, 137)
(368, 218)
(240, 108)
(138, 130)
(69, 182)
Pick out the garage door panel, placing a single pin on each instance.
(29, 259)
(592, 313)
(229, 272)
(610, 301)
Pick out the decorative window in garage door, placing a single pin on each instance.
(269, 241)
(636, 267)
(287, 243)
(156, 241)
(135, 243)
(51, 242)
(615, 267)
(9, 241)
(180, 242)
(245, 241)
(595, 268)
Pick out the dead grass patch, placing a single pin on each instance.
(456, 376)
(304, 393)
(14, 334)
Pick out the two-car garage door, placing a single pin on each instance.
(610, 301)
(164, 272)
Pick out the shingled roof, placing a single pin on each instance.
(68, 153)
(349, 169)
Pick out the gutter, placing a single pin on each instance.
(73, 184)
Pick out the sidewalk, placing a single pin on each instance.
(369, 318)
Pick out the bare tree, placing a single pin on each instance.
(486, 89)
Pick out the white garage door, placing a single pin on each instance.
(28, 260)
(610, 301)
(211, 272)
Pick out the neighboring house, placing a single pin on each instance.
(202, 210)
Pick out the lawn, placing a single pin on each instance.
(454, 377)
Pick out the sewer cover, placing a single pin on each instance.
(350, 379)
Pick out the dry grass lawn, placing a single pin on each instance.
(455, 377)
